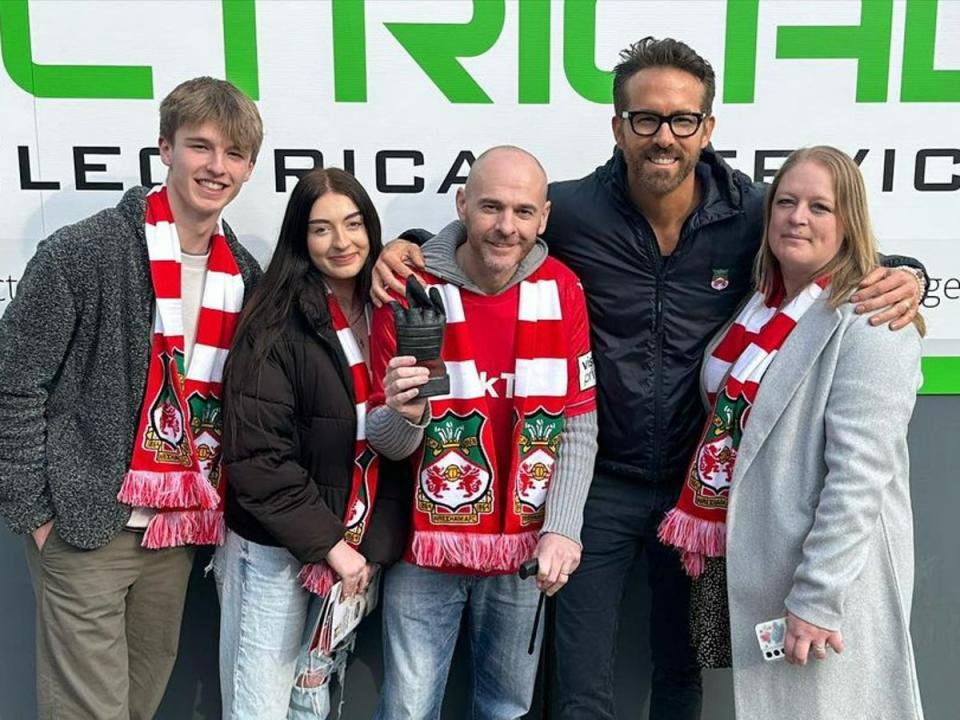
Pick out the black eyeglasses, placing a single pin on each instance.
(647, 124)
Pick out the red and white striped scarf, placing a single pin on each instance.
(319, 577)
(731, 377)
(465, 516)
(175, 466)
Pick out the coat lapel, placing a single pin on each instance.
(783, 377)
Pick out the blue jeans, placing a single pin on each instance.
(264, 615)
(422, 610)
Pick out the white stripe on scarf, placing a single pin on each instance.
(544, 377)
(539, 301)
(754, 360)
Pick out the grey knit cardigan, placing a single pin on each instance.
(74, 352)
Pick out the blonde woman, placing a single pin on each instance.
(801, 478)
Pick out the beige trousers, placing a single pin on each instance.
(108, 626)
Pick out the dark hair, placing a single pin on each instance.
(652, 53)
(265, 314)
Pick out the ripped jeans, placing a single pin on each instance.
(266, 619)
(310, 699)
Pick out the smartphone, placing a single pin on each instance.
(771, 635)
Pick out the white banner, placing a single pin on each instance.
(405, 93)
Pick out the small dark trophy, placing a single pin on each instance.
(420, 334)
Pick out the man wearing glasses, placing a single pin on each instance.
(663, 238)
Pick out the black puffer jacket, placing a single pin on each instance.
(289, 460)
(651, 316)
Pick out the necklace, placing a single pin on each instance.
(358, 326)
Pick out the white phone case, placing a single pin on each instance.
(771, 635)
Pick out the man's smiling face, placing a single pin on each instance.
(206, 170)
(660, 163)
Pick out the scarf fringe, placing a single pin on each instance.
(693, 563)
(152, 489)
(486, 553)
(317, 578)
(184, 527)
(695, 537)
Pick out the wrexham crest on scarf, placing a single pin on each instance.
(206, 428)
(712, 472)
(538, 443)
(455, 475)
(357, 517)
(166, 433)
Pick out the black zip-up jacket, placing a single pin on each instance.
(651, 316)
(290, 457)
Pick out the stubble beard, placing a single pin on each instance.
(659, 182)
(497, 264)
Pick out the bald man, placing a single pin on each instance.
(503, 462)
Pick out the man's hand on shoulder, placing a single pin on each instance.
(895, 292)
(558, 557)
(397, 260)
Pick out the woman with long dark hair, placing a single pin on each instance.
(307, 503)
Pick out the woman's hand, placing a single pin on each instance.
(368, 573)
(804, 639)
(401, 385)
(392, 269)
(350, 565)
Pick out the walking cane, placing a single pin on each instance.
(530, 569)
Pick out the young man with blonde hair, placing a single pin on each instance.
(109, 410)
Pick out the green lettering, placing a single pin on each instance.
(920, 81)
(868, 43)
(534, 52)
(349, 51)
(240, 45)
(579, 52)
(740, 56)
(63, 81)
(435, 47)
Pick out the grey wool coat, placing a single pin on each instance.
(820, 523)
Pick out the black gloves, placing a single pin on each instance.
(420, 333)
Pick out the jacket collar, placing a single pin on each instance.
(720, 184)
(440, 258)
(312, 305)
